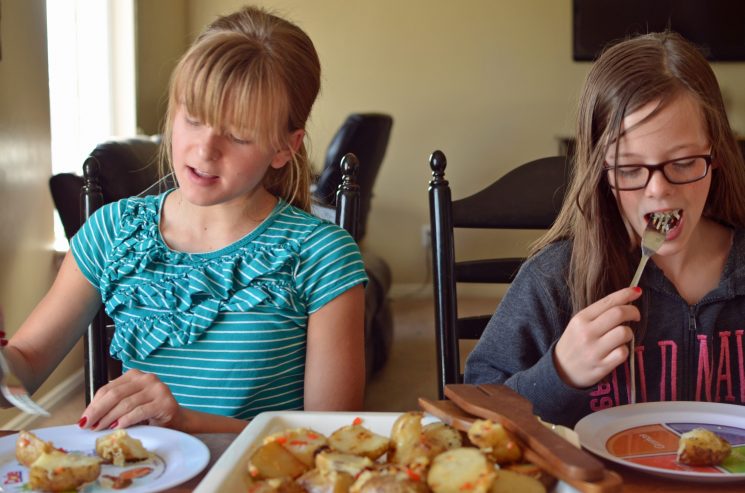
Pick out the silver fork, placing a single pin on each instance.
(15, 392)
(652, 239)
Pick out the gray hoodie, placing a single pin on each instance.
(685, 352)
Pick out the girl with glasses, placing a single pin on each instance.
(652, 139)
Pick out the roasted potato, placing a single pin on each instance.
(275, 485)
(442, 436)
(29, 447)
(317, 481)
(461, 469)
(328, 461)
(303, 443)
(382, 482)
(118, 448)
(701, 447)
(511, 482)
(272, 460)
(358, 440)
(412, 446)
(495, 441)
(60, 471)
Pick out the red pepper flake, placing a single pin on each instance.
(466, 486)
(510, 445)
(23, 442)
(281, 440)
(357, 421)
(312, 436)
(412, 475)
(253, 472)
(298, 442)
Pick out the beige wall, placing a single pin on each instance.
(490, 82)
(25, 166)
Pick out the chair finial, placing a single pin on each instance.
(91, 170)
(349, 167)
(438, 162)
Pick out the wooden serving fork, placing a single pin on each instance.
(542, 446)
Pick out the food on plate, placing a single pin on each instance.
(358, 440)
(459, 470)
(276, 485)
(303, 443)
(320, 481)
(511, 482)
(701, 447)
(62, 471)
(494, 441)
(417, 458)
(119, 448)
(29, 447)
(272, 460)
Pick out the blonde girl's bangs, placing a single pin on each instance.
(228, 86)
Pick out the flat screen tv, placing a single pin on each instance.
(717, 26)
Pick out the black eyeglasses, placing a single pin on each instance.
(677, 171)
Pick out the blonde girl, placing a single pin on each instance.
(229, 298)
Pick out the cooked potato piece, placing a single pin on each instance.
(317, 481)
(701, 447)
(358, 440)
(337, 461)
(272, 460)
(410, 446)
(119, 448)
(511, 482)
(275, 485)
(60, 471)
(494, 441)
(442, 436)
(459, 470)
(377, 482)
(303, 443)
(29, 447)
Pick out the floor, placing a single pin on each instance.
(410, 372)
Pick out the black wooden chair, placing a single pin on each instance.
(528, 197)
(119, 169)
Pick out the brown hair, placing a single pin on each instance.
(252, 71)
(627, 76)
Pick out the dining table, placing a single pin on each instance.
(634, 481)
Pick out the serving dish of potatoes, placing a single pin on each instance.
(65, 458)
(320, 452)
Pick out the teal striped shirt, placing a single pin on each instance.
(225, 330)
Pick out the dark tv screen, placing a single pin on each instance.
(717, 26)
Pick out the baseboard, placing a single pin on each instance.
(424, 291)
(48, 401)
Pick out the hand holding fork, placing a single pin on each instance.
(11, 386)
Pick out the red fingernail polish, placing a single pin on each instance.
(2, 333)
(637, 289)
(95, 425)
(82, 421)
(3, 342)
(114, 424)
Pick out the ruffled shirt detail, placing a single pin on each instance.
(186, 302)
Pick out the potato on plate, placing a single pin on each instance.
(303, 443)
(358, 440)
(60, 471)
(318, 481)
(511, 482)
(118, 448)
(495, 441)
(29, 447)
(459, 470)
(701, 447)
(275, 485)
(336, 461)
(272, 460)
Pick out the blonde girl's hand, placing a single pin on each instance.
(596, 339)
(134, 398)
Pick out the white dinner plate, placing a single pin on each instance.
(178, 457)
(229, 472)
(645, 437)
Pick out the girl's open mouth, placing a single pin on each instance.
(665, 221)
